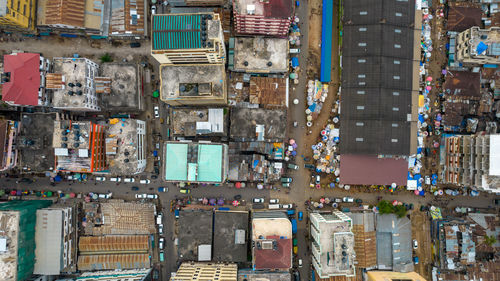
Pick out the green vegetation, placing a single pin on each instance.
(385, 207)
(106, 58)
(489, 240)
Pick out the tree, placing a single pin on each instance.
(400, 211)
(106, 58)
(385, 207)
(489, 240)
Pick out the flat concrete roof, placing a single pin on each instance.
(192, 122)
(125, 83)
(257, 124)
(195, 228)
(253, 54)
(251, 275)
(227, 225)
(124, 138)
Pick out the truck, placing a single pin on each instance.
(294, 226)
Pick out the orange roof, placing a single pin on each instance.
(69, 12)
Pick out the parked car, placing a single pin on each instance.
(296, 275)
(100, 179)
(274, 201)
(157, 111)
(294, 50)
(128, 180)
(295, 250)
(135, 188)
(301, 216)
(157, 145)
(292, 166)
(117, 179)
(153, 9)
(337, 200)
(285, 184)
(161, 243)
(152, 196)
(141, 196)
(162, 189)
(415, 260)
(317, 179)
(146, 181)
(294, 226)
(287, 206)
(162, 256)
(415, 244)
(185, 190)
(358, 201)
(135, 45)
(160, 229)
(300, 263)
(105, 195)
(258, 200)
(159, 218)
(286, 179)
(176, 213)
(348, 199)
(310, 166)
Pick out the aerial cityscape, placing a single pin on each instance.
(249, 140)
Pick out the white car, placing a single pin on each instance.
(141, 196)
(152, 196)
(100, 179)
(287, 206)
(117, 179)
(128, 180)
(160, 229)
(145, 181)
(300, 263)
(161, 244)
(157, 111)
(348, 199)
(258, 200)
(415, 244)
(159, 218)
(153, 9)
(274, 201)
(105, 195)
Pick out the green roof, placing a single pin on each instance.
(177, 32)
(205, 166)
(176, 162)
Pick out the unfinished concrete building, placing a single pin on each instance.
(477, 46)
(199, 122)
(125, 146)
(187, 38)
(258, 55)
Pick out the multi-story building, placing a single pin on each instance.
(197, 3)
(472, 160)
(196, 162)
(391, 275)
(8, 151)
(23, 79)
(199, 271)
(263, 17)
(188, 38)
(271, 241)
(18, 14)
(332, 244)
(17, 238)
(79, 146)
(55, 238)
(75, 84)
(477, 46)
(113, 275)
(125, 146)
(126, 87)
(128, 19)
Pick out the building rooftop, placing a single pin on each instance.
(268, 9)
(61, 12)
(230, 236)
(128, 18)
(124, 149)
(125, 87)
(105, 275)
(272, 235)
(114, 243)
(185, 31)
(34, 142)
(193, 122)
(485, 42)
(393, 12)
(394, 250)
(10, 231)
(118, 218)
(194, 229)
(114, 261)
(195, 83)
(72, 144)
(260, 55)
(24, 80)
(365, 239)
(462, 18)
(251, 275)
(369, 169)
(193, 162)
(81, 73)
(257, 124)
(269, 92)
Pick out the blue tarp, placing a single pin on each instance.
(295, 62)
(68, 35)
(481, 47)
(326, 41)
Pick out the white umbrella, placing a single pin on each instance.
(296, 101)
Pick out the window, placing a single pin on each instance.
(360, 124)
(18, 6)
(395, 109)
(362, 83)
(399, 15)
(363, 13)
(362, 44)
(396, 77)
(360, 92)
(394, 140)
(395, 93)
(397, 30)
(397, 46)
(361, 76)
(359, 139)
(360, 107)
(397, 62)
(362, 29)
(361, 61)
(24, 10)
(395, 125)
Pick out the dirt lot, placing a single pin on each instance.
(420, 228)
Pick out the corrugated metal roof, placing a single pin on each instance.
(48, 242)
(177, 31)
(326, 41)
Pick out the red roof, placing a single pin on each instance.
(368, 170)
(274, 259)
(24, 82)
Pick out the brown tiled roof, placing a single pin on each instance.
(462, 18)
(365, 246)
(274, 259)
(118, 243)
(462, 84)
(269, 92)
(121, 261)
(69, 12)
(368, 169)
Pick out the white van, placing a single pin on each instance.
(117, 179)
(274, 206)
(294, 51)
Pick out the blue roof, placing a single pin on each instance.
(326, 41)
(177, 31)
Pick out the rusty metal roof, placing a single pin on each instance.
(69, 12)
